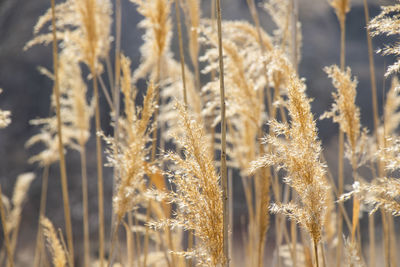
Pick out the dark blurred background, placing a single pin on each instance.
(27, 93)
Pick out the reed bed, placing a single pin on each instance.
(233, 106)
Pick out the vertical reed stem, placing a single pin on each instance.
(42, 210)
(85, 203)
(181, 54)
(63, 171)
(99, 170)
(376, 124)
(316, 253)
(341, 147)
(5, 231)
(224, 177)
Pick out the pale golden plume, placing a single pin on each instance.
(299, 156)
(56, 250)
(345, 111)
(197, 189)
(387, 23)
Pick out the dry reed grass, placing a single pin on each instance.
(237, 86)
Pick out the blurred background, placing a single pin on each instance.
(27, 95)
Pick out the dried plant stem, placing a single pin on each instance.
(392, 241)
(129, 248)
(114, 240)
(224, 177)
(190, 246)
(116, 91)
(316, 253)
(181, 54)
(323, 255)
(230, 201)
(256, 20)
(341, 148)
(42, 210)
(157, 99)
(105, 92)
(85, 203)
(146, 237)
(138, 245)
(371, 230)
(376, 124)
(116, 88)
(386, 241)
(63, 171)
(10, 256)
(263, 177)
(371, 70)
(131, 252)
(64, 246)
(100, 189)
(293, 232)
(294, 18)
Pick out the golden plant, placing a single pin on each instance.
(299, 155)
(387, 23)
(345, 112)
(197, 189)
(237, 86)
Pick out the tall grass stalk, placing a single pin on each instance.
(85, 203)
(63, 170)
(340, 8)
(224, 176)
(116, 105)
(293, 21)
(7, 242)
(371, 222)
(181, 54)
(42, 210)
(100, 190)
(185, 100)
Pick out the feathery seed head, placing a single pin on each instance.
(388, 23)
(299, 156)
(342, 7)
(56, 250)
(197, 188)
(344, 110)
